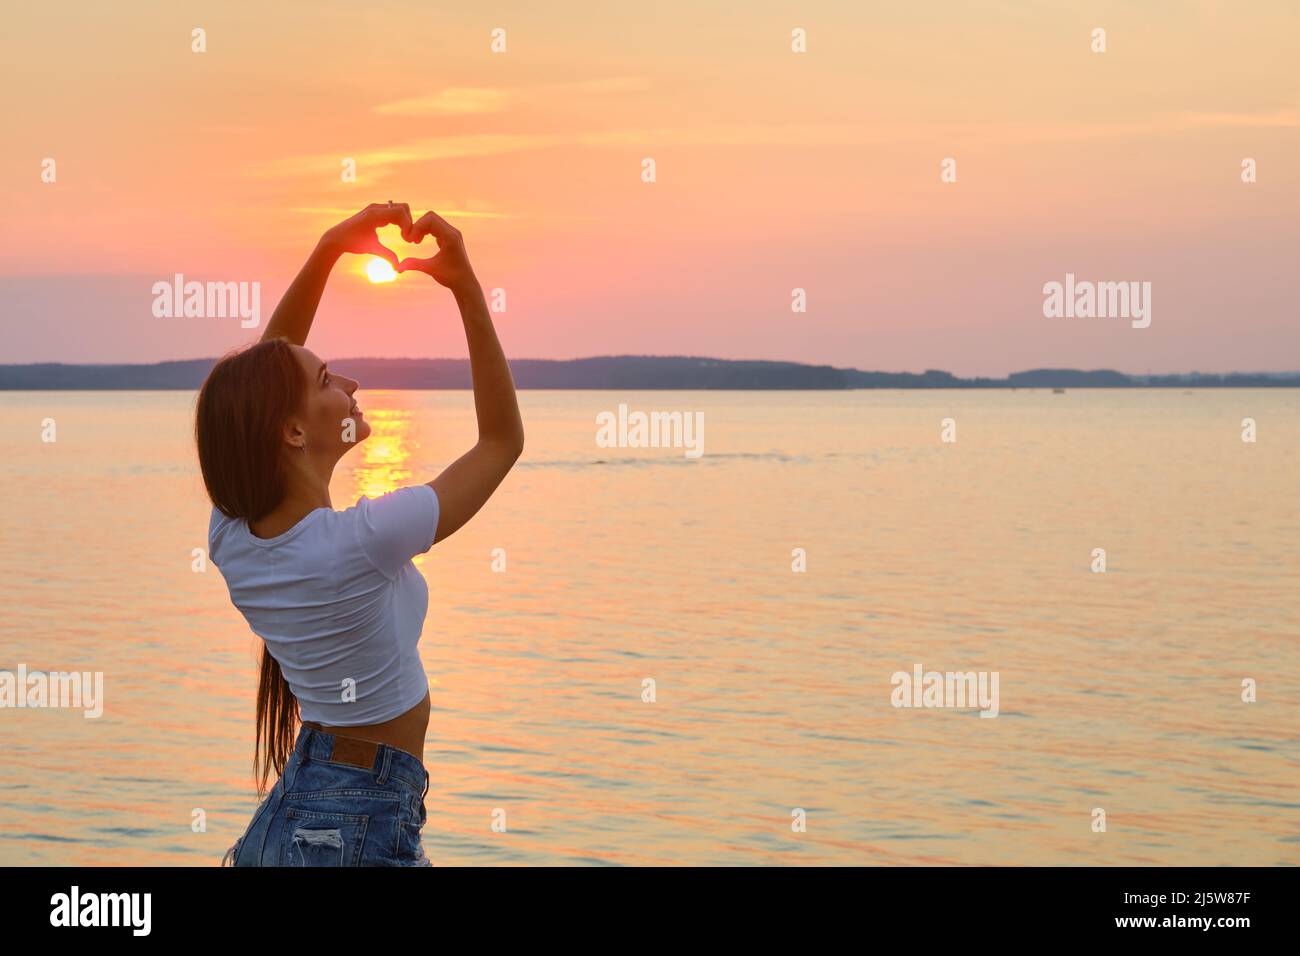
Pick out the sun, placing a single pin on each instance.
(380, 270)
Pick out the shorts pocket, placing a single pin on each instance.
(411, 850)
(312, 838)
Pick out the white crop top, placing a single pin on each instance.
(338, 602)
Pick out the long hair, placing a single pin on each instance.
(239, 429)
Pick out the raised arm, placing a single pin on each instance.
(467, 483)
(292, 318)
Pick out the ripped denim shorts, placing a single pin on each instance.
(341, 801)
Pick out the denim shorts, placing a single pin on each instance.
(341, 801)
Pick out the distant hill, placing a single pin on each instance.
(620, 372)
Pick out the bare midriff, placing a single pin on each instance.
(405, 731)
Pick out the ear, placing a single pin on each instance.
(294, 435)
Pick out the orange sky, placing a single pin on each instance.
(775, 170)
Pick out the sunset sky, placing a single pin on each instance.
(775, 170)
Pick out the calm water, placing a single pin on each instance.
(1119, 690)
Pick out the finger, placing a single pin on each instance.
(421, 228)
(384, 213)
(392, 214)
(377, 248)
(439, 228)
(403, 219)
(414, 265)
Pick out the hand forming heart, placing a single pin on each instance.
(359, 235)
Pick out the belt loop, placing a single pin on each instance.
(384, 767)
(305, 754)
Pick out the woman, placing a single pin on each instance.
(334, 594)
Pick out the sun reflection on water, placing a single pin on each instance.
(386, 454)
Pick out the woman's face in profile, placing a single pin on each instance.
(330, 416)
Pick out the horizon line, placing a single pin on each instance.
(708, 358)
